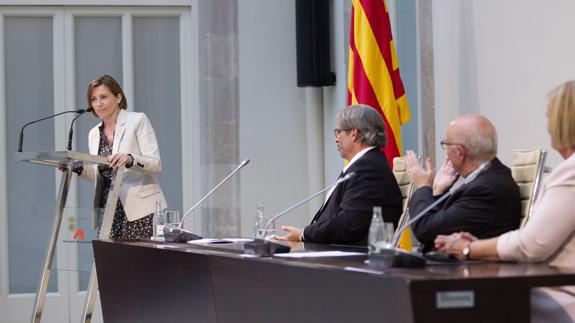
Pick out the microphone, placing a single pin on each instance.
(21, 139)
(480, 170)
(341, 180)
(180, 235)
(266, 248)
(71, 132)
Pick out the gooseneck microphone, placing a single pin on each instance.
(21, 139)
(71, 132)
(180, 235)
(275, 217)
(395, 257)
(240, 166)
(480, 170)
(266, 248)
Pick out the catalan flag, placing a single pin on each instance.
(374, 70)
(374, 76)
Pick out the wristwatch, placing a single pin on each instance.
(466, 250)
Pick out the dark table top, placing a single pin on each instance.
(539, 274)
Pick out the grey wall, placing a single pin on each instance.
(501, 59)
(272, 115)
(406, 44)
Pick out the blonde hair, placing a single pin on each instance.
(561, 115)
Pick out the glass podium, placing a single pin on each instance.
(67, 160)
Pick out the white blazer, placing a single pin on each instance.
(140, 188)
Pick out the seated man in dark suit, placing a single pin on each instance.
(345, 215)
(487, 203)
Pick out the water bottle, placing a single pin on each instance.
(158, 222)
(377, 232)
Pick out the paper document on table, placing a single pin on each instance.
(319, 254)
(218, 241)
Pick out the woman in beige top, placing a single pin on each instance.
(549, 235)
(126, 139)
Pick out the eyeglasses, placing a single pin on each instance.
(336, 131)
(444, 144)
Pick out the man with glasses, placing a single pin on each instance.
(345, 215)
(487, 202)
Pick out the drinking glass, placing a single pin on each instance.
(260, 230)
(172, 219)
(266, 233)
(382, 238)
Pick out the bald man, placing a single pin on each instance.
(486, 204)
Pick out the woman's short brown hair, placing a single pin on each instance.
(112, 85)
(561, 116)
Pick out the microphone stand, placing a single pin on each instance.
(395, 257)
(480, 170)
(418, 216)
(341, 180)
(265, 248)
(240, 166)
(180, 235)
(21, 139)
(71, 132)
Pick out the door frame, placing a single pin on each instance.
(16, 307)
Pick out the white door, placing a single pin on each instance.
(48, 54)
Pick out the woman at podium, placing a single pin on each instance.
(126, 139)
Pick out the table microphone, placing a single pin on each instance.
(21, 139)
(481, 169)
(266, 248)
(180, 235)
(71, 132)
(395, 257)
(341, 180)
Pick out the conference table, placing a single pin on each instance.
(149, 281)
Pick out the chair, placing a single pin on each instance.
(404, 182)
(527, 167)
(402, 178)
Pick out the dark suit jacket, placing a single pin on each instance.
(346, 216)
(486, 207)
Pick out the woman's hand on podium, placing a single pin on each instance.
(119, 160)
(77, 168)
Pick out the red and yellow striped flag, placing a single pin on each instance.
(374, 70)
(374, 76)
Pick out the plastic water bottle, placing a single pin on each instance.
(159, 221)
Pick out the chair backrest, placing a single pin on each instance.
(402, 178)
(404, 182)
(527, 168)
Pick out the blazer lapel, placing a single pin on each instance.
(119, 132)
(94, 140)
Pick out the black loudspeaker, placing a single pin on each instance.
(313, 46)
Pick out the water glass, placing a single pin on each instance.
(382, 238)
(260, 230)
(266, 234)
(173, 219)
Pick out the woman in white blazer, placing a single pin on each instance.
(127, 139)
(549, 235)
